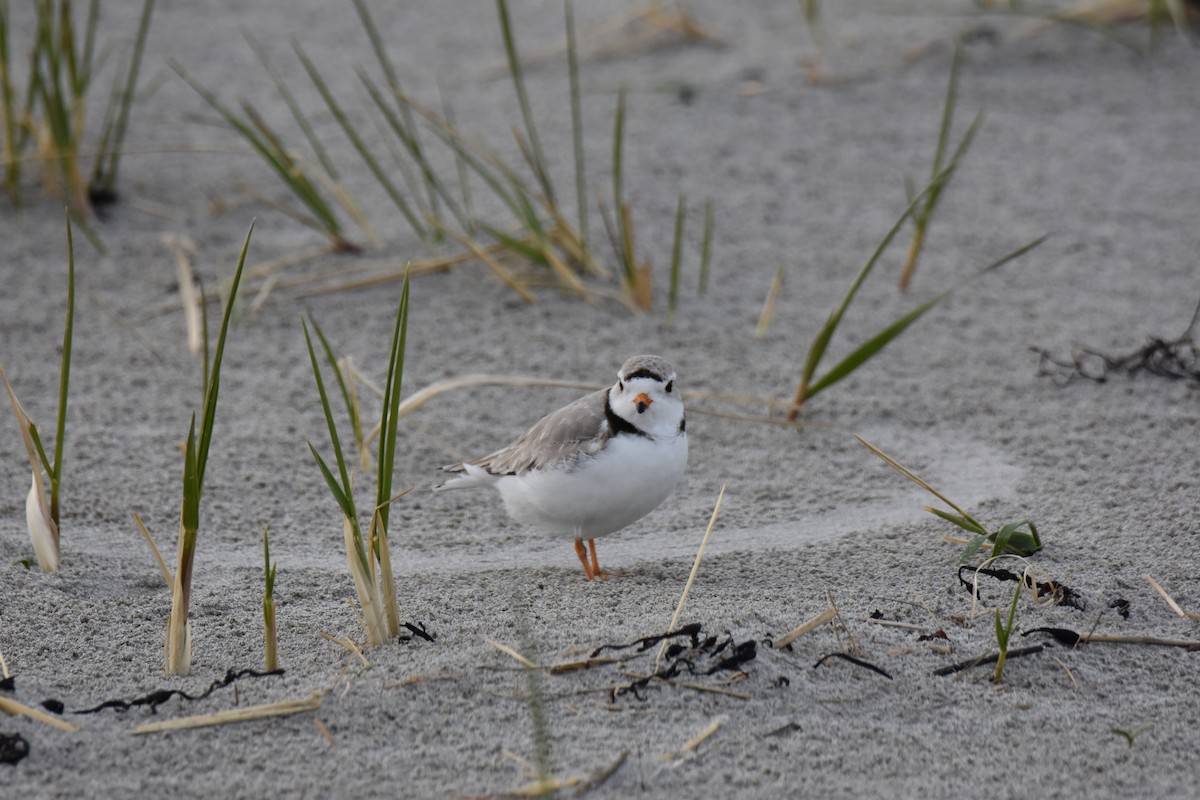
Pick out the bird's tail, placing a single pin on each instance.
(465, 476)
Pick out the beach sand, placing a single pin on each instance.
(1083, 139)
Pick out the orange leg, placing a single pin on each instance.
(583, 556)
(596, 571)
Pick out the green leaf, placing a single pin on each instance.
(351, 408)
(343, 492)
(962, 522)
(820, 343)
(520, 246)
(41, 451)
(360, 147)
(869, 348)
(514, 67)
(576, 122)
(1010, 539)
(191, 484)
(389, 422)
(214, 379)
(676, 254)
(706, 247)
(344, 500)
(268, 569)
(64, 375)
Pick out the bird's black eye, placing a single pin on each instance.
(670, 386)
(620, 385)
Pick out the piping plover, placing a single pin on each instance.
(593, 466)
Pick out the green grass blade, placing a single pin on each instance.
(293, 105)
(344, 493)
(390, 420)
(105, 177)
(214, 378)
(820, 342)
(393, 83)
(522, 247)
(625, 257)
(706, 247)
(191, 486)
(676, 256)
(481, 163)
(270, 641)
(407, 136)
(344, 499)
(268, 569)
(966, 524)
(351, 406)
(576, 122)
(518, 79)
(948, 109)
(869, 348)
(8, 107)
(41, 451)
(872, 346)
(293, 174)
(460, 165)
(360, 147)
(275, 156)
(64, 377)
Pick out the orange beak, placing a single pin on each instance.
(642, 401)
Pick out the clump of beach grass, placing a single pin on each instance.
(42, 513)
(368, 552)
(178, 646)
(313, 185)
(438, 207)
(50, 119)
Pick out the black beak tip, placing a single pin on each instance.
(641, 407)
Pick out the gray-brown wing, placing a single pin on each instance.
(557, 438)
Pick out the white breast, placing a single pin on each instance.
(617, 487)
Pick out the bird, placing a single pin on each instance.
(594, 466)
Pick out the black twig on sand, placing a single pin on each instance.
(1062, 594)
(853, 660)
(691, 631)
(418, 632)
(988, 659)
(1169, 358)
(155, 699)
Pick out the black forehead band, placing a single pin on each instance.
(644, 373)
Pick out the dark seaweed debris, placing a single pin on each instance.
(856, 661)
(1062, 594)
(13, 747)
(701, 655)
(1168, 358)
(691, 631)
(155, 699)
(418, 632)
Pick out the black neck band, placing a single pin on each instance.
(617, 424)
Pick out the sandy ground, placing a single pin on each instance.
(1083, 139)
